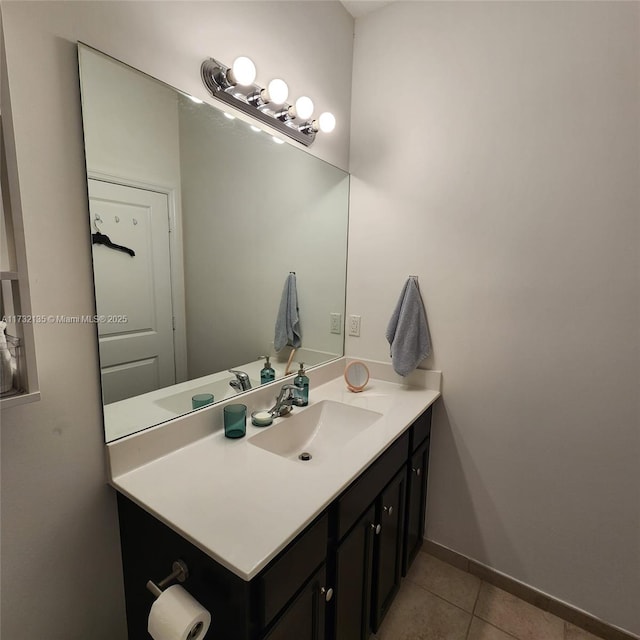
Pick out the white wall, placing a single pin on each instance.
(130, 124)
(60, 552)
(502, 168)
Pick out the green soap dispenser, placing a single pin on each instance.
(267, 373)
(302, 382)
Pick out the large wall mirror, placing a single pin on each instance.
(197, 221)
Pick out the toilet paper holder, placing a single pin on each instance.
(180, 573)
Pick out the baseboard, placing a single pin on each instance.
(537, 598)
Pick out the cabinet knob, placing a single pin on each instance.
(388, 510)
(376, 528)
(327, 593)
(416, 471)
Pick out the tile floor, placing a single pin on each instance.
(439, 602)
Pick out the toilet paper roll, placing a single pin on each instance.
(177, 615)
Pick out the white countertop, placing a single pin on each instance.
(240, 504)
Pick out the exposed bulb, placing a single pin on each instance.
(277, 140)
(243, 71)
(254, 128)
(277, 91)
(304, 107)
(327, 122)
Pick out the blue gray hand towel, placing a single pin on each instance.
(408, 332)
(288, 321)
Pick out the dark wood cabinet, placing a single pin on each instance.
(279, 582)
(369, 557)
(417, 472)
(353, 583)
(304, 618)
(335, 581)
(388, 547)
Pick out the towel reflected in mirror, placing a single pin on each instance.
(288, 330)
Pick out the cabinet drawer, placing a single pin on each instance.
(421, 429)
(354, 501)
(279, 582)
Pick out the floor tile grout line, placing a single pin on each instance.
(437, 595)
(475, 602)
(473, 609)
(566, 622)
(506, 633)
(466, 635)
(473, 613)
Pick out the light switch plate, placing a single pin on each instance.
(336, 322)
(354, 326)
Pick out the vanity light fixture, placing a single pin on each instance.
(242, 71)
(326, 122)
(236, 86)
(277, 92)
(304, 107)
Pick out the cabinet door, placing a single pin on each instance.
(304, 618)
(388, 551)
(354, 565)
(416, 504)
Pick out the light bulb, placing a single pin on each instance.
(304, 107)
(277, 91)
(243, 71)
(327, 122)
(277, 140)
(254, 128)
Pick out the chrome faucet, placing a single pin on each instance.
(285, 401)
(242, 382)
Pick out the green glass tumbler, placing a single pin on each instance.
(201, 400)
(235, 420)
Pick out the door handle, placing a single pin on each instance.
(388, 510)
(327, 593)
(376, 528)
(416, 471)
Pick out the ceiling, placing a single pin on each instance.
(359, 8)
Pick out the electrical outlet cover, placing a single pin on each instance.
(336, 322)
(354, 326)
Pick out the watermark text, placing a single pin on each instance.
(63, 319)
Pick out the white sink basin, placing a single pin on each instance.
(180, 403)
(318, 430)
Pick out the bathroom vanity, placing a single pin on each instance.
(279, 548)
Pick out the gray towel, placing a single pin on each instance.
(288, 321)
(408, 332)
